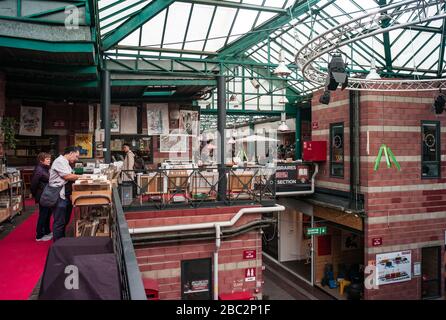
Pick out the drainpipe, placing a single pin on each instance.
(297, 193)
(217, 247)
(217, 225)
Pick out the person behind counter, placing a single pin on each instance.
(61, 174)
(129, 163)
(39, 180)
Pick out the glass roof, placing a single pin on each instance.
(210, 26)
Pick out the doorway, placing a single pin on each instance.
(431, 272)
(196, 276)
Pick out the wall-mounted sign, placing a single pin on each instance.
(292, 177)
(317, 231)
(376, 242)
(250, 274)
(393, 267)
(249, 254)
(417, 269)
(315, 125)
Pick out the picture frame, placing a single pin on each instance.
(85, 143)
(115, 118)
(189, 122)
(30, 121)
(157, 119)
(173, 143)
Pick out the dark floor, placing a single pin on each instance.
(289, 284)
(7, 227)
(300, 267)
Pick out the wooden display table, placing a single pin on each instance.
(88, 192)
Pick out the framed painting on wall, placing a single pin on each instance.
(30, 121)
(173, 143)
(157, 119)
(189, 122)
(129, 120)
(115, 118)
(84, 141)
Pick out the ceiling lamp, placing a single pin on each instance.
(337, 73)
(283, 126)
(373, 75)
(282, 70)
(283, 98)
(325, 97)
(254, 83)
(439, 103)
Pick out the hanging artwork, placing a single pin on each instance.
(173, 143)
(84, 141)
(91, 118)
(115, 122)
(189, 122)
(350, 241)
(30, 121)
(129, 120)
(157, 119)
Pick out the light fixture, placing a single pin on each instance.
(283, 99)
(282, 70)
(373, 75)
(231, 140)
(439, 103)
(337, 73)
(325, 97)
(254, 83)
(283, 126)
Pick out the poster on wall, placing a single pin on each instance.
(157, 119)
(84, 141)
(91, 118)
(115, 119)
(393, 267)
(129, 120)
(173, 143)
(350, 241)
(189, 122)
(30, 121)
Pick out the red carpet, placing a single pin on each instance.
(22, 261)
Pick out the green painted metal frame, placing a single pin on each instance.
(229, 4)
(134, 22)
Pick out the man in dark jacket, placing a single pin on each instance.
(39, 180)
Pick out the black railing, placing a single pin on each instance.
(194, 187)
(131, 281)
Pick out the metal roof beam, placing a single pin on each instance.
(167, 50)
(134, 22)
(386, 39)
(424, 29)
(261, 33)
(442, 49)
(228, 4)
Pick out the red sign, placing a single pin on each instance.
(377, 242)
(250, 274)
(59, 123)
(315, 125)
(249, 254)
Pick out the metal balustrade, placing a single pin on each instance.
(195, 187)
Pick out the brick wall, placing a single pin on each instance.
(403, 209)
(163, 261)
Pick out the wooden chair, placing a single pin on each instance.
(151, 184)
(241, 184)
(201, 185)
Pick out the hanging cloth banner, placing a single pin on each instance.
(390, 157)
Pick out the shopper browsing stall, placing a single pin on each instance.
(61, 176)
(39, 180)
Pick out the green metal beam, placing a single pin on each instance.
(59, 47)
(261, 33)
(164, 82)
(386, 38)
(134, 22)
(244, 112)
(228, 4)
(55, 10)
(442, 49)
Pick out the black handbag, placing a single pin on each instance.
(49, 196)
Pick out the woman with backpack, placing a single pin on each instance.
(39, 180)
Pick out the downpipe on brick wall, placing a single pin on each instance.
(216, 225)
